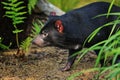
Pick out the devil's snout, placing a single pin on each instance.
(38, 41)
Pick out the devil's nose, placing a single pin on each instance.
(38, 41)
(34, 41)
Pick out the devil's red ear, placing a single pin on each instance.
(59, 26)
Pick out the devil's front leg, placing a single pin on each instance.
(71, 60)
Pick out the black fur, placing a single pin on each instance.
(78, 25)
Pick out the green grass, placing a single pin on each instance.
(67, 5)
(109, 49)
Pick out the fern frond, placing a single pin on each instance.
(26, 44)
(19, 8)
(37, 28)
(31, 5)
(17, 31)
(13, 1)
(20, 14)
(19, 18)
(14, 11)
(17, 22)
(18, 4)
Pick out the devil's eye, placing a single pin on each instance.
(45, 33)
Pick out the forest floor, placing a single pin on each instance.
(43, 64)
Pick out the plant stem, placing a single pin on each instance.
(17, 41)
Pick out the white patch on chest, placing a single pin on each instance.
(77, 46)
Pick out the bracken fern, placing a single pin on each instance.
(13, 11)
(31, 5)
(25, 45)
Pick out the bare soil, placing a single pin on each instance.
(42, 64)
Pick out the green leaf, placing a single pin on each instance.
(20, 14)
(9, 16)
(110, 7)
(10, 13)
(7, 7)
(36, 28)
(4, 3)
(37, 25)
(19, 8)
(18, 4)
(25, 45)
(17, 22)
(115, 14)
(13, 1)
(31, 5)
(19, 18)
(17, 31)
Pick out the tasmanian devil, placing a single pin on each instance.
(70, 30)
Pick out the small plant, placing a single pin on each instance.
(13, 11)
(25, 45)
(37, 27)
